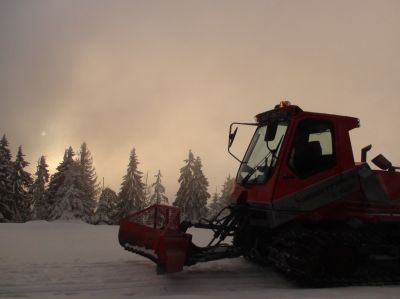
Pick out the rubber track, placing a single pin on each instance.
(295, 253)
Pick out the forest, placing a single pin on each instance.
(73, 191)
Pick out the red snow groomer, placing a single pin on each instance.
(301, 204)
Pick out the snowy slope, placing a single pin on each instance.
(76, 260)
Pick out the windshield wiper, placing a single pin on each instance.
(253, 170)
(274, 157)
(273, 151)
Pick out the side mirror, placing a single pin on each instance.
(239, 145)
(232, 136)
(271, 131)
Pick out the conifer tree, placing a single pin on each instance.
(192, 194)
(67, 191)
(224, 199)
(40, 204)
(90, 187)
(57, 179)
(147, 191)
(131, 196)
(200, 189)
(185, 181)
(226, 192)
(106, 207)
(158, 196)
(214, 206)
(6, 186)
(22, 183)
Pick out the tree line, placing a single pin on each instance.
(73, 191)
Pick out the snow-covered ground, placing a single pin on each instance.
(76, 260)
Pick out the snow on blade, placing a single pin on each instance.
(142, 250)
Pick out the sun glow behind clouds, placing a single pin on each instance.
(169, 76)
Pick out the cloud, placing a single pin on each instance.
(169, 76)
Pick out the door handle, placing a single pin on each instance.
(288, 177)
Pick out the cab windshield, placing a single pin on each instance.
(261, 156)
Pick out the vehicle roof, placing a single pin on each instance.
(293, 111)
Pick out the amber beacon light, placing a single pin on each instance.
(284, 104)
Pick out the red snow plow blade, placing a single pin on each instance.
(154, 233)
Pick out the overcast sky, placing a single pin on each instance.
(169, 76)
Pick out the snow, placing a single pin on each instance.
(71, 259)
(142, 250)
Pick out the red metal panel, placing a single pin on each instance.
(154, 233)
(390, 181)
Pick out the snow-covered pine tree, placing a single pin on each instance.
(106, 207)
(192, 194)
(68, 202)
(214, 207)
(90, 187)
(57, 179)
(224, 199)
(6, 170)
(158, 196)
(67, 191)
(22, 184)
(199, 206)
(226, 192)
(147, 191)
(40, 204)
(131, 196)
(185, 185)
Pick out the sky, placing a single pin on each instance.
(164, 77)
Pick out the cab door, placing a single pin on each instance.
(309, 171)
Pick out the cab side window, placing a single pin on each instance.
(313, 149)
